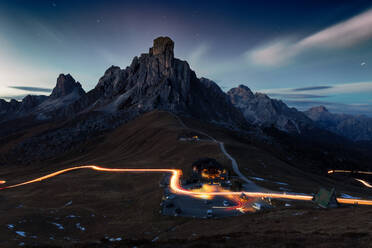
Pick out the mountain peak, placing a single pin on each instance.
(162, 45)
(319, 109)
(242, 91)
(66, 84)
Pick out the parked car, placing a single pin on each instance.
(209, 213)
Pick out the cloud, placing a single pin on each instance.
(273, 54)
(32, 89)
(295, 96)
(197, 57)
(337, 98)
(312, 88)
(345, 34)
(348, 88)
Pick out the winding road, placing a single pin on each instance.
(234, 164)
(177, 188)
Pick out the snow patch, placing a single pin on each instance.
(71, 216)
(257, 178)
(59, 226)
(21, 233)
(79, 226)
(115, 239)
(280, 183)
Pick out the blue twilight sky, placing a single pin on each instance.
(306, 53)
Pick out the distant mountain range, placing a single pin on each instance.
(155, 80)
(158, 81)
(357, 128)
(259, 109)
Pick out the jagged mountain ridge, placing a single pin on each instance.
(356, 128)
(157, 80)
(42, 107)
(261, 110)
(154, 80)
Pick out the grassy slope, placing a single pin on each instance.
(128, 205)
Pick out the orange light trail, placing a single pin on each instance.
(349, 171)
(176, 187)
(2, 182)
(365, 183)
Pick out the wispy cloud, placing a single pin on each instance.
(359, 87)
(31, 89)
(312, 88)
(295, 96)
(197, 57)
(336, 98)
(345, 34)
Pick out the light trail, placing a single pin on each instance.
(176, 187)
(2, 182)
(365, 183)
(349, 171)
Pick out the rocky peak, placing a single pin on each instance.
(31, 101)
(163, 49)
(162, 45)
(260, 109)
(318, 109)
(240, 93)
(66, 84)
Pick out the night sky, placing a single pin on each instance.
(306, 53)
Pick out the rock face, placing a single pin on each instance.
(66, 85)
(58, 104)
(154, 80)
(157, 80)
(356, 128)
(262, 110)
(14, 109)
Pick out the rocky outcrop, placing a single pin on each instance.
(154, 80)
(261, 110)
(157, 80)
(356, 128)
(60, 104)
(16, 109)
(66, 85)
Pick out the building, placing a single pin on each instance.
(209, 170)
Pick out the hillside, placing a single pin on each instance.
(126, 204)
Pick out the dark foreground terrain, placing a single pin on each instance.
(90, 209)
